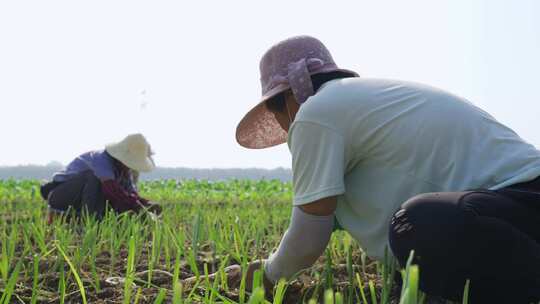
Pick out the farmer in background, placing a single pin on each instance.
(402, 166)
(96, 177)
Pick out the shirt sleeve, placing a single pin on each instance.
(301, 245)
(318, 162)
(120, 199)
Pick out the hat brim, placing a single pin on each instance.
(259, 128)
(145, 164)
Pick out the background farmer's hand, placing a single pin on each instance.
(154, 208)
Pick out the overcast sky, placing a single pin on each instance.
(75, 75)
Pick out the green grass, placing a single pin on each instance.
(205, 227)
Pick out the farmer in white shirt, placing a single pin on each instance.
(402, 166)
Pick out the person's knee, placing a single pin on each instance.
(400, 235)
(93, 199)
(411, 213)
(421, 223)
(425, 202)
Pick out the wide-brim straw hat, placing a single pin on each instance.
(286, 65)
(134, 152)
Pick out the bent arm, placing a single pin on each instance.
(304, 241)
(120, 199)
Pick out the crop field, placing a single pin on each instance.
(204, 227)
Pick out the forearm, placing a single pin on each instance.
(119, 198)
(143, 200)
(301, 245)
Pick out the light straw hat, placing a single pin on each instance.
(286, 65)
(134, 152)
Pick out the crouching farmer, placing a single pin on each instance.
(97, 177)
(402, 166)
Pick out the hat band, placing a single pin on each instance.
(298, 78)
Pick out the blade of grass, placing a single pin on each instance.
(466, 292)
(161, 296)
(329, 296)
(74, 272)
(128, 283)
(10, 286)
(35, 278)
(361, 287)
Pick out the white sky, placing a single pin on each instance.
(73, 74)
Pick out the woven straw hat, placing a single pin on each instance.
(134, 152)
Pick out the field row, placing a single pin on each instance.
(204, 228)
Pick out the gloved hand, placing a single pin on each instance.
(234, 277)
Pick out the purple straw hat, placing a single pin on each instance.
(286, 65)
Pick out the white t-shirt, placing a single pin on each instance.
(377, 143)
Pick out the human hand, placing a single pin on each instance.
(293, 288)
(154, 208)
(250, 273)
(234, 276)
(233, 273)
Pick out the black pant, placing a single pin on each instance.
(82, 193)
(489, 237)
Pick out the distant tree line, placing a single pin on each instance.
(45, 172)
